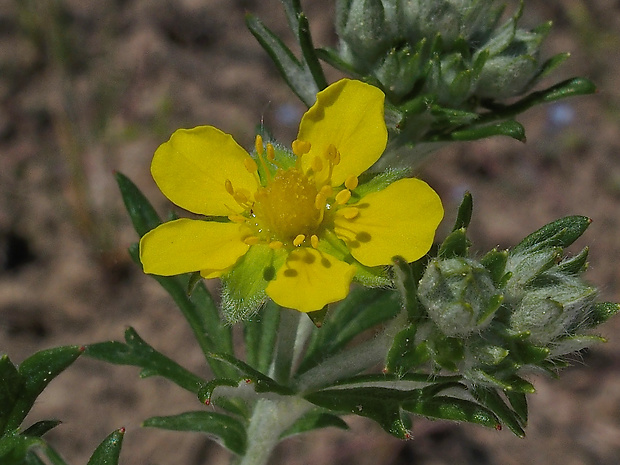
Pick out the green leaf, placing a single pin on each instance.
(36, 372)
(11, 384)
(510, 128)
(297, 75)
(226, 430)
(361, 310)
(463, 216)
(560, 233)
(448, 352)
(518, 401)
(201, 313)
(15, 449)
(454, 409)
(455, 245)
(380, 404)
(262, 383)
(142, 214)
(405, 353)
(107, 453)
(314, 419)
(137, 352)
(41, 427)
(407, 285)
(575, 265)
(260, 333)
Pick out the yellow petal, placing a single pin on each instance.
(191, 169)
(309, 280)
(348, 115)
(399, 220)
(185, 245)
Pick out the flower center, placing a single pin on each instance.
(286, 207)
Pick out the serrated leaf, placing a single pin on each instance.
(137, 352)
(315, 419)
(108, 452)
(560, 233)
(454, 409)
(229, 431)
(36, 372)
(142, 214)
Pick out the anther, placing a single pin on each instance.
(229, 187)
(258, 144)
(326, 191)
(251, 240)
(314, 240)
(343, 196)
(351, 182)
(240, 197)
(350, 212)
(271, 153)
(300, 147)
(332, 154)
(299, 240)
(250, 165)
(275, 245)
(319, 201)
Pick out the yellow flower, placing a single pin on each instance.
(296, 226)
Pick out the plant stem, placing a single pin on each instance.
(270, 418)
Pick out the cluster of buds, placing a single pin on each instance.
(512, 311)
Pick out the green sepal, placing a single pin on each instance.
(405, 352)
(575, 265)
(243, 287)
(372, 182)
(260, 334)
(142, 214)
(315, 419)
(494, 402)
(108, 452)
(495, 262)
(228, 431)
(600, 313)
(495, 302)
(39, 428)
(463, 216)
(524, 352)
(447, 352)
(454, 409)
(318, 317)
(201, 312)
(570, 344)
(512, 383)
(361, 310)
(136, 352)
(35, 373)
(455, 245)
(560, 233)
(260, 381)
(407, 285)
(297, 75)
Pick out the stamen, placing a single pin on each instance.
(229, 187)
(237, 218)
(299, 240)
(258, 144)
(314, 240)
(300, 147)
(271, 153)
(343, 196)
(275, 245)
(351, 182)
(350, 212)
(319, 201)
(326, 191)
(251, 240)
(332, 154)
(250, 165)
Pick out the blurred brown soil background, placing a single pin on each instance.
(89, 87)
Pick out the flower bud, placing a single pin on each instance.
(459, 295)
